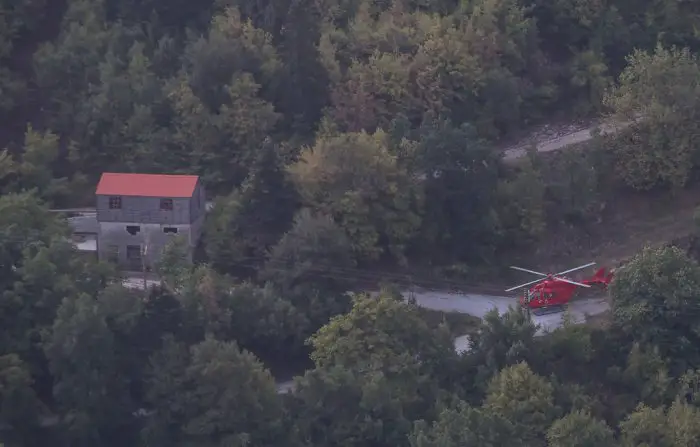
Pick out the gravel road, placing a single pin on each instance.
(479, 305)
(554, 138)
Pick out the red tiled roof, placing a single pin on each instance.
(146, 185)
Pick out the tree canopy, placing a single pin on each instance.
(352, 151)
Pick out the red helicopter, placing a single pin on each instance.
(553, 291)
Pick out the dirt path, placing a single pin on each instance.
(553, 138)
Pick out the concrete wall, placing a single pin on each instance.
(198, 204)
(145, 210)
(152, 227)
(114, 236)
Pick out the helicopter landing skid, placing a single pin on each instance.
(548, 310)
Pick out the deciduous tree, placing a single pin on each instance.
(197, 395)
(501, 341)
(460, 186)
(243, 227)
(90, 387)
(356, 180)
(675, 427)
(657, 96)
(465, 425)
(655, 297)
(579, 429)
(524, 399)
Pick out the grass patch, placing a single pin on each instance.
(459, 323)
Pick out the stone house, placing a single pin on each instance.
(137, 214)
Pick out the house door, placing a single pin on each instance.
(113, 254)
(133, 258)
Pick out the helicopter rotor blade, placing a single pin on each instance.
(571, 282)
(575, 268)
(524, 285)
(529, 271)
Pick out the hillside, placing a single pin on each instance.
(393, 145)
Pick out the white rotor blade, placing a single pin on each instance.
(575, 268)
(529, 271)
(571, 282)
(523, 285)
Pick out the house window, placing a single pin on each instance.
(133, 229)
(171, 230)
(115, 203)
(166, 204)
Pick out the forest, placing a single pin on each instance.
(348, 146)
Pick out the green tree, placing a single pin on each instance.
(461, 179)
(221, 144)
(304, 87)
(356, 180)
(259, 319)
(312, 265)
(675, 427)
(357, 409)
(657, 94)
(380, 333)
(579, 429)
(568, 351)
(646, 426)
(582, 36)
(501, 341)
(36, 167)
(174, 264)
(265, 323)
(233, 47)
(646, 374)
(19, 22)
(373, 93)
(573, 187)
(73, 58)
(38, 269)
(464, 425)
(380, 362)
(124, 113)
(369, 63)
(267, 15)
(524, 399)
(654, 301)
(90, 388)
(459, 77)
(241, 228)
(196, 396)
(20, 408)
(170, 17)
(522, 203)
